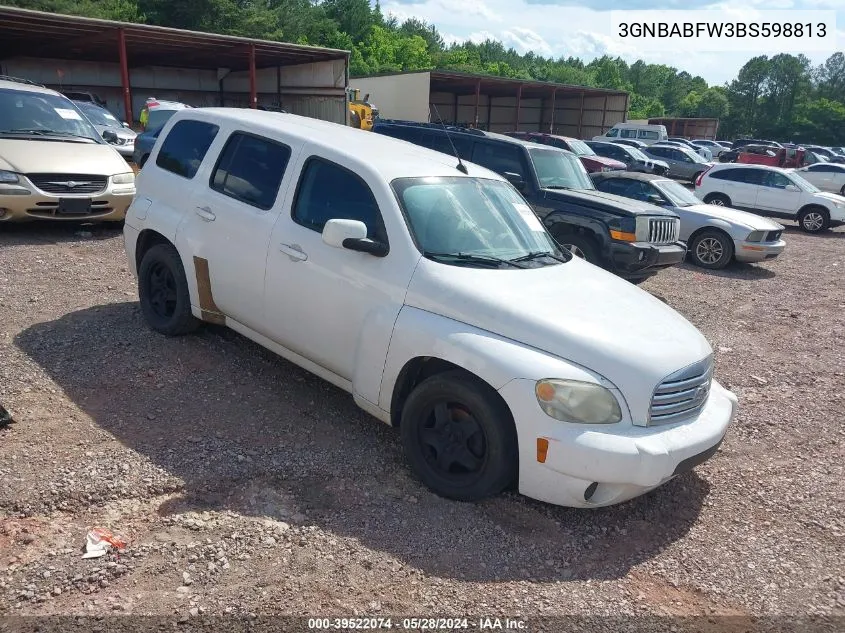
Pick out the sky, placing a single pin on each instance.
(582, 28)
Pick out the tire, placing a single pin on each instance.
(579, 245)
(718, 199)
(163, 290)
(711, 249)
(459, 437)
(814, 219)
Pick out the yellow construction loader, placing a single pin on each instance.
(362, 113)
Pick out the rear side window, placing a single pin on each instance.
(185, 147)
(440, 142)
(658, 151)
(327, 191)
(648, 134)
(500, 157)
(628, 134)
(250, 169)
(747, 176)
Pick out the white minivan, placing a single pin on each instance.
(648, 134)
(429, 290)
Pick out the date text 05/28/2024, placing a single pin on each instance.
(416, 624)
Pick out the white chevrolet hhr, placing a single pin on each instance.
(431, 292)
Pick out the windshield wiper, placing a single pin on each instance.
(538, 255)
(40, 132)
(557, 187)
(476, 259)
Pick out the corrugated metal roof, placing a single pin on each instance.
(38, 34)
(458, 82)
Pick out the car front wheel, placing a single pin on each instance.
(459, 437)
(814, 219)
(579, 245)
(711, 249)
(163, 290)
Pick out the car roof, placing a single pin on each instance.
(390, 157)
(633, 175)
(721, 166)
(25, 86)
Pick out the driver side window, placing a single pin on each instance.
(327, 191)
(776, 180)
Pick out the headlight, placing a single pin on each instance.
(755, 236)
(8, 177)
(575, 401)
(123, 179)
(606, 168)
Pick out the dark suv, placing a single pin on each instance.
(630, 238)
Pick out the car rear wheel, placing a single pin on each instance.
(711, 249)
(163, 290)
(814, 219)
(718, 199)
(459, 437)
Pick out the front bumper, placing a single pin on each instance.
(636, 260)
(622, 460)
(108, 205)
(127, 150)
(757, 251)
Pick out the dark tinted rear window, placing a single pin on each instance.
(250, 169)
(185, 147)
(748, 176)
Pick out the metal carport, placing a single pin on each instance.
(497, 104)
(101, 52)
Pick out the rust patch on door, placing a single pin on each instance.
(208, 309)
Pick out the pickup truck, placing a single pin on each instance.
(632, 239)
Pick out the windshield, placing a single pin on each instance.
(99, 116)
(475, 218)
(559, 169)
(42, 113)
(678, 195)
(580, 148)
(637, 154)
(696, 158)
(803, 185)
(158, 118)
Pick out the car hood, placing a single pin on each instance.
(60, 157)
(575, 311)
(734, 216)
(830, 197)
(604, 160)
(602, 201)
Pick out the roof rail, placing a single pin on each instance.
(434, 126)
(20, 80)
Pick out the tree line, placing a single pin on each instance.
(781, 97)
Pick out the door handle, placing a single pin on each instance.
(206, 214)
(294, 251)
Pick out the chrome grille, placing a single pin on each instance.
(662, 230)
(68, 183)
(682, 394)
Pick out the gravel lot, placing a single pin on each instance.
(244, 485)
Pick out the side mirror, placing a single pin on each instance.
(656, 199)
(515, 179)
(351, 235)
(125, 124)
(109, 136)
(791, 188)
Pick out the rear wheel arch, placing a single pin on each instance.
(146, 240)
(807, 208)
